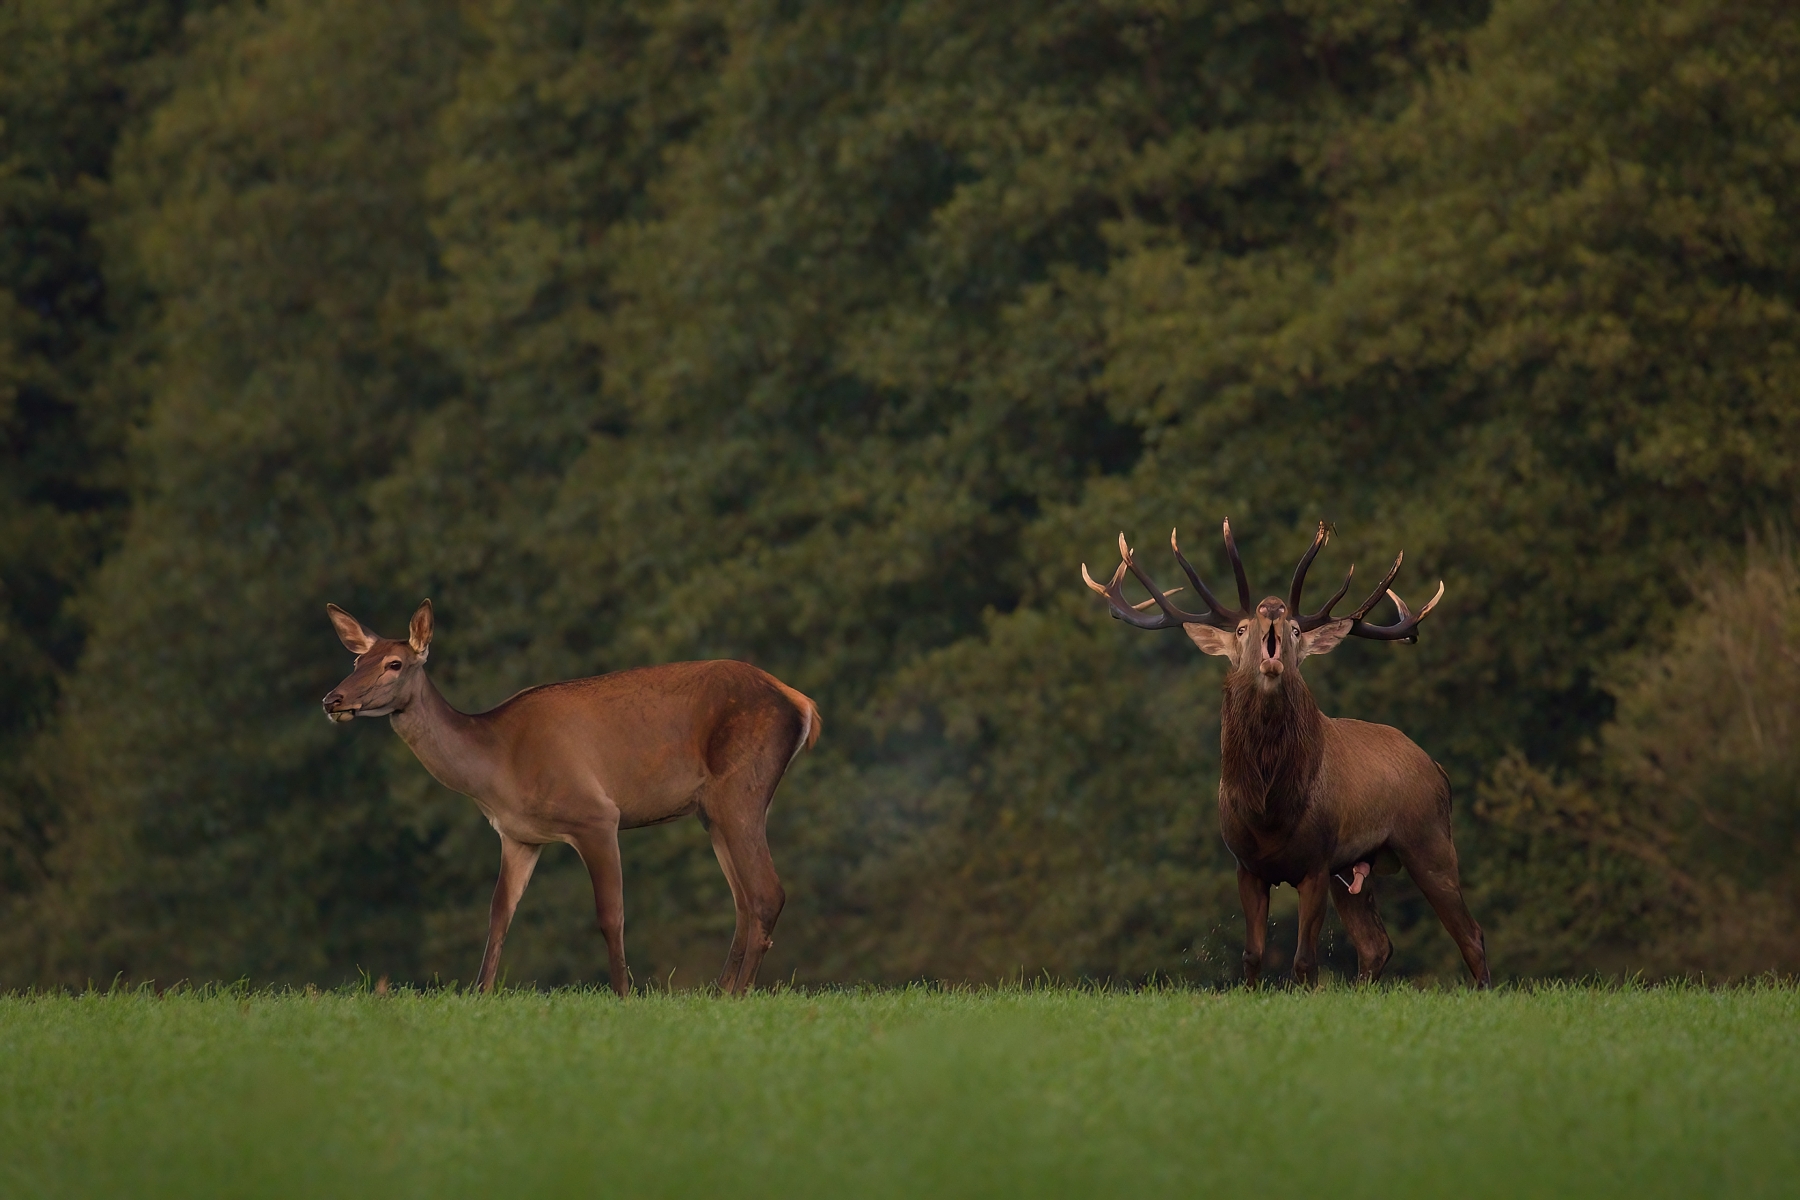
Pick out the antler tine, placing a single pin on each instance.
(1211, 601)
(1237, 567)
(1381, 589)
(1123, 609)
(1174, 614)
(1131, 614)
(1115, 598)
(1431, 603)
(1299, 584)
(1312, 621)
(1403, 630)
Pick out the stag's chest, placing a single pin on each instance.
(1277, 843)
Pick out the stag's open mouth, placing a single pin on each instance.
(1272, 643)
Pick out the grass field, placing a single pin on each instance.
(919, 1092)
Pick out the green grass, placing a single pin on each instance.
(1347, 1093)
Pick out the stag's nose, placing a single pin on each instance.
(332, 700)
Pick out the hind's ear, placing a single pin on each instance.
(356, 636)
(418, 634)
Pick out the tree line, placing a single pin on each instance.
(835, 337)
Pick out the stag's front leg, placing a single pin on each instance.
(1253, 894)
(1313, 890)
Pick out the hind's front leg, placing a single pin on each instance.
(598, 846)
(517, 862)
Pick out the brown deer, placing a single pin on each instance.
(578, 761)
(1305, 799)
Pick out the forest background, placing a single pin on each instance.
(835, 337)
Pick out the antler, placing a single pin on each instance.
(1311, 621)
(1217, 615)
(1403, 630)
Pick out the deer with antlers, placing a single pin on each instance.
(576, 762)
(1308, 800)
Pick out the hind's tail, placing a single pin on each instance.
(809, 718)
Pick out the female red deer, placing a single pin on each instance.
(576, 762)
(1305, 799)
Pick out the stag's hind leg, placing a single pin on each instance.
(1433, 867)
(1362, 921)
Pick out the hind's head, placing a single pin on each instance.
(387, 671)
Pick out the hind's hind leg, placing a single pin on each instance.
(758, 894)
(748, 758)
(734, 958)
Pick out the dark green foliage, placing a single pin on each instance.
(65, 73)
(835, 337)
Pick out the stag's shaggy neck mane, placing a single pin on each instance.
(1270, 746)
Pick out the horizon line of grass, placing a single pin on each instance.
(382, 987)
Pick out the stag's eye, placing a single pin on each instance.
(1243, 629)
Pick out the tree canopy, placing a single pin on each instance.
(835, 338)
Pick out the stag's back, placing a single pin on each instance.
(1375, 778)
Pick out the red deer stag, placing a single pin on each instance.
(1305, 799)
(576, 762)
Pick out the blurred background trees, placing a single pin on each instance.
(835, 337)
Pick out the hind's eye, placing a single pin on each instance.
(394, 666)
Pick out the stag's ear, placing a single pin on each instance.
(418, 634)
(1324, 639)
(356, 636)
(1212, 641)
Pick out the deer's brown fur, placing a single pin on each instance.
(578, 761)
(1306, 799)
